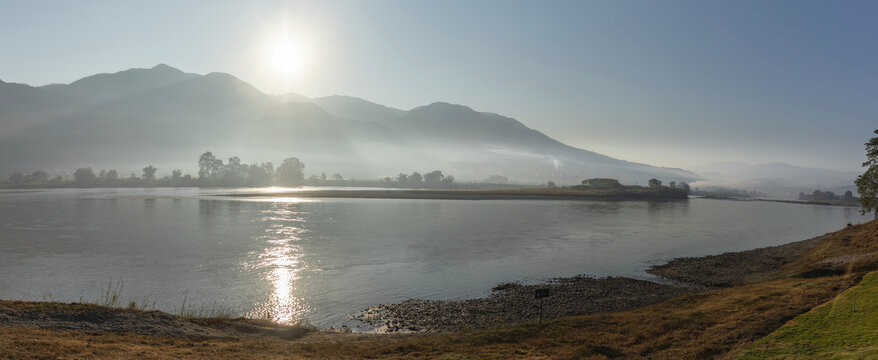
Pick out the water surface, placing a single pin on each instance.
(320, 260)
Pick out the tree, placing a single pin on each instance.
(867, 183)
(291, 172)
(84, 176)
(685, 187)
(672, 184)
(433, 177)
(209, 166)
(415, 178)
(112, 176)
(39, 177)
(337, 177)
(496, 179)
(149, 173)
(655, 183)
(259, 175)
(602, 183)
(448, 181)
(402, 178)
(16, 178)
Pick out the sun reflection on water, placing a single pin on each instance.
(280, 263)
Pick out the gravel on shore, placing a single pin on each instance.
(514, 303)
(733, 268)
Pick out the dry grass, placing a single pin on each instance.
(694, 326)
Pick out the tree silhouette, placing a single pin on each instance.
(685, 188)
(16, 178)
(291, 172)
(149, 173)
(867, 183)
(655, 183)
(111, 176)
(415, 178)
(433, 177)
(209, 166)
(84, 176)
(39, 177)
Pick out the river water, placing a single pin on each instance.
(290, 259)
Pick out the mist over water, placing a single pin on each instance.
(289, 259)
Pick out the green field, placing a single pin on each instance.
(834, 330)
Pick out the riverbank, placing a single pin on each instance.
(515, 303)
(840, 203)
(629, 193)
(719, 317)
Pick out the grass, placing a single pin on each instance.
(694, 326)
(846, 327)
(111, 296)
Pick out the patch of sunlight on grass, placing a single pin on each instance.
(846, 327)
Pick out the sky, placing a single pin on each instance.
(668, 83)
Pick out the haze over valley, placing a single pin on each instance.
(167, 117)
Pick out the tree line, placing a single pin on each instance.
(432, 179)
(818, 195)
(673, 189)
(211, 172)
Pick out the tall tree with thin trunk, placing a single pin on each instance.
(867, 184)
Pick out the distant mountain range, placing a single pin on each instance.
(166, 117)
(776, 179)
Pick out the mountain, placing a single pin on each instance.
(777, 179)
(166, 117)
(355, 108)
(102, 88)
(23, 106)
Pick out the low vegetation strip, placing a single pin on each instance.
(102, 319)
(842, 328)
(636, 193)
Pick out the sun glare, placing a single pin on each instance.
(286, 57)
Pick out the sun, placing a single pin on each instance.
(286, 57)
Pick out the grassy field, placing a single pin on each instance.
(846, 327)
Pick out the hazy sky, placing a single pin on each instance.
(671, 83)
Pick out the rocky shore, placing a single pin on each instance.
(733, 268)
(514, 303)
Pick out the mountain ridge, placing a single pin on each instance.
(156, 115)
